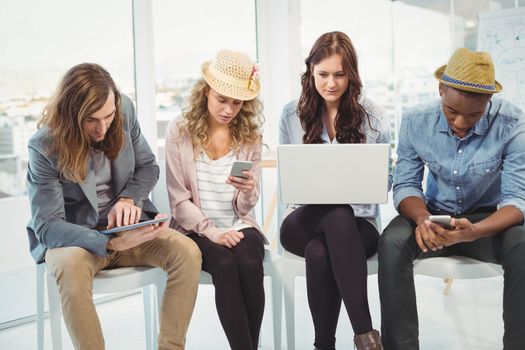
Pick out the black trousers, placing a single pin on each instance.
(335, 245)
(397, 251)
(239, 292)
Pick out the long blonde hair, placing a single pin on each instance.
(245, 128)
(84, 90)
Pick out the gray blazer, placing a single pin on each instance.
(64, 213)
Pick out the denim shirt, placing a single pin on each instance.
(291, 132)
(486, 168)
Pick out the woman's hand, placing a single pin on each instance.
(230, 239)
(245, 185)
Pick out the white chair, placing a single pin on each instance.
(106, 281)
(292, 266)
(456, 267)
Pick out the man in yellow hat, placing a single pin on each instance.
(473, 145)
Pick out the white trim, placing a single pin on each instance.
(280, 58)
(145, 70)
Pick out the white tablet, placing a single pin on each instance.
(132, 226)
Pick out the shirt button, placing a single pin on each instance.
(457, 187)
(455, 171)
(487, 170)
(460, 151)
(460, 201)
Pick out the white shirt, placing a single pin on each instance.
(216, 196)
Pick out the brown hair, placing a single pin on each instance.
(83, 90)
(351, 113)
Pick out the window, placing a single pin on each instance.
(187, 33)
(39, 42)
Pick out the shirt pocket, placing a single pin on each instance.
(485, 168)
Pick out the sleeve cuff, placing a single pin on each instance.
(212, 233)
(249, 199)
(403, 193)
(518, 204)
(100, 246)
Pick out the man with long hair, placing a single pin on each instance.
(90, 168)
(473, 145)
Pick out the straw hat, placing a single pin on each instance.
(232, 74)
(469, 71)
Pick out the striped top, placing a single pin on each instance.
(216, 196)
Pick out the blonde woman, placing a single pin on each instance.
(221, 125)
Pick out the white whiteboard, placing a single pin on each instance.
(502, 34)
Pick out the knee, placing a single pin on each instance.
(183, 252)
(397, 238)
(339, 212)
(69, 262)
(72, 268)
(316, 255)
(226, 264)
(514, 246)
(251, 267)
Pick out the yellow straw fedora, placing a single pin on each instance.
(469, 71)
(232, 74)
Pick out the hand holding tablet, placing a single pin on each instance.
(133, 226)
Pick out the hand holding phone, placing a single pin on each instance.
(442, 220)
(239, 166)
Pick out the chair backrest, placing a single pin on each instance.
(159, 195)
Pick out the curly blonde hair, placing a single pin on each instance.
(245, 128)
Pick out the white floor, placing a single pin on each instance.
(468, 318)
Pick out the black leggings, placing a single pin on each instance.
(335, 245)
(238, 279)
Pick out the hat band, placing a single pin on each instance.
(243, 84)
(451, 80)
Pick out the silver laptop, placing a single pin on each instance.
(333, 173)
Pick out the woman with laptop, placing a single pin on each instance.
(335, 240)
(219, 135)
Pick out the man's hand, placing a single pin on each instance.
(462, 231)
(132, 238)
(426, 237)
(243, 185)
(124, 212)
(230, 238)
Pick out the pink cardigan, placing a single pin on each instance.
(183, 192)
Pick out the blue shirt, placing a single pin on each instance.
(486, 168)
(291, 132)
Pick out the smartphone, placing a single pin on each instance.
(443, 220)
(239, 166)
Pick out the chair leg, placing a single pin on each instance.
(448, 285)
(289, 309)
(277, 302)
(149, 318)
(40, 292)
(159, 287)
(55, 311)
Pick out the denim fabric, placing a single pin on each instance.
(486, 168)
